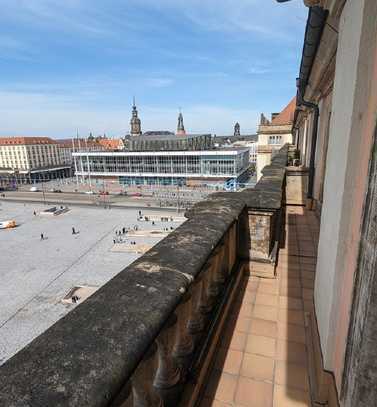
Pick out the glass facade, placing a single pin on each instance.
(159, 169)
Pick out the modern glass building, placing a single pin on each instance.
(166, 167)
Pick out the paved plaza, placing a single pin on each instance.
(37, 274)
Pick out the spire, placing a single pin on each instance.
(180, 128)
(135, 121)
(237, 131)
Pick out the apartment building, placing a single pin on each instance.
(25, 159)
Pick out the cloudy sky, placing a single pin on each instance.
(68, 65)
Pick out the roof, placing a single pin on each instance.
(171, 136)
(158, 133)
(110, 144)
(286, 115)
(69, 143)
(12, 141)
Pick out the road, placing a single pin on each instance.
(76, 198)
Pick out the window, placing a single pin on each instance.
(274, 139)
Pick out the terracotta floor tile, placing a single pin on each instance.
(291, 352)
(290, 303)
(270, 281)
(249, 296)
(290, 332)
(307, 294)
(261, 345)
(308, 267)
(234, 341)
(263, 328)
(288, 273)
(228, 361)
(257, 367)
(267, 289)
(307, 283)
(288, 397)
(252, 285)
(308, 260)
(291, 375)
(308, 275)
(291, 292)
(242, 324)
(221, 386)
(265, 312)
(252, 393)
(290, 282)
(291, 316)
(308, 305)
(267, 299)
(245, 310)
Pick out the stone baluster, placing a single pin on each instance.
(167, 381)
(183, 344)
(220, 271)
(196, 321)
(207, 300)
(143, 392)
(214, 282)
(232, 245)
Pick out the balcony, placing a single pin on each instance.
(214, 314)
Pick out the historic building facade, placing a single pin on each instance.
(273, 134)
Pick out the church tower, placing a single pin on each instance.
(237, 131)
(180, 128)
(135, 122)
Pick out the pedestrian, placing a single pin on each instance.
(42, 237)
(73, 230)
(124, 230)
(114, 241)
(35, 213)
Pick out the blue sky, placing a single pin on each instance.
(75, 64)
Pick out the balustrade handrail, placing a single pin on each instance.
(147, 319)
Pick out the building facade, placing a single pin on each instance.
(273, 134)
(166, 167)
(27, 159)
(335, 132)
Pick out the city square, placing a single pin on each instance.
(37, 274)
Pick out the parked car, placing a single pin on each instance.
(55, 190)
(33, 189)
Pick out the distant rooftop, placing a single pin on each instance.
(11, 141)
(156, 136)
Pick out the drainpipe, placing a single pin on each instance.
(315, 108)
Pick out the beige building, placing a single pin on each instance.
(273, 134)
(30, 158)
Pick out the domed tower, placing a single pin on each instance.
(237, 131)
(180, 128)
(135, 122)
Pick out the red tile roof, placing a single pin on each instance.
(286, 115)
(110, 144)
(67, 142)
(12, 141)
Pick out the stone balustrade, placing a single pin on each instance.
(146, 337)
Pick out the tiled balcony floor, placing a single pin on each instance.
(262, 359)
